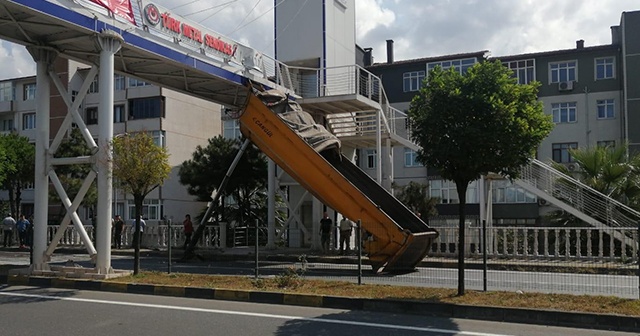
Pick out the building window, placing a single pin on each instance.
(605, 68)
(6, 125)
(371, 158)
(607, 144)
(91, 115)
(151, 209)
(6, 91)
(28, 185)
(28, 121)
(137, 83)
(563, 71)
(523, 71)
(118, 113)
(158, 138)
(461, 65)
(231, 129)
(412, 81)
(447, 193)
(93, 88)
(144, 108)
(606, 109)
(30, 91)
(560, 151)
(503, 191)
(119, 82)
(564, 112)
(411, 158)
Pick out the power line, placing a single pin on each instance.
(246, 16)
(226, 4)
(188, 3)
(261, 15)
(210, 8)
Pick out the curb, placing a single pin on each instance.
(498, 314)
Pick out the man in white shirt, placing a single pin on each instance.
(137, 236)
(346, 226)
(8, 223)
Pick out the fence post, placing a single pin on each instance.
(168, 221)
(484, 255)
(359, 242)
(256, 251)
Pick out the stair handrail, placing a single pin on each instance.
(612, 209)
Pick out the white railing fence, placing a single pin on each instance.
(549, 243)
(504, 242)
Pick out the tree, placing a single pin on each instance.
(247, 185)
(72, 176)
(416, 197)
(472, 124)
(19, 166)
(139, 166)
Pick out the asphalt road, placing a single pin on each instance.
(65, 312)
(540, 282)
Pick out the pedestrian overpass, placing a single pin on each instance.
(148, 42)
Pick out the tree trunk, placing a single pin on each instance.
(137, 200)
(12, 204)
(461, 187)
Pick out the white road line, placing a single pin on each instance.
(273, 316)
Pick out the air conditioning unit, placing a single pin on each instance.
(571, 167)
(542, 201)
(565, 86)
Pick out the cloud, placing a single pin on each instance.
(419, 28)
(16, 61)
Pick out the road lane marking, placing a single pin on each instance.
(240, 313)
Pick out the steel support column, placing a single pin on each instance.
(110, 43)
(44, 59)
(271, 205)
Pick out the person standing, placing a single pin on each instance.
(22, 226)
(8, 223)
(188, 231)
(346, 226)
(137, 235)
(325, 232)
(118, 225)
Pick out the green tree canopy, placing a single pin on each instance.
(416, 197)
(204, 173)
(19, 167)
(139, 166)
(474, 123)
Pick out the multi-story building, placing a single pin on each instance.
(175, 120)
(591, 92)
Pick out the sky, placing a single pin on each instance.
(419, 28)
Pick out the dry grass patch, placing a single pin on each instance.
(561, 302)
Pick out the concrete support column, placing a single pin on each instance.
(379, 148)
(387, 165)
(110, 43)
(271, 205)
(43, 59)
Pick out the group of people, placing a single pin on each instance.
(23, 226)
(345, 227)
(118, 225)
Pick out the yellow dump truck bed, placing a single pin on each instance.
(397, 245)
